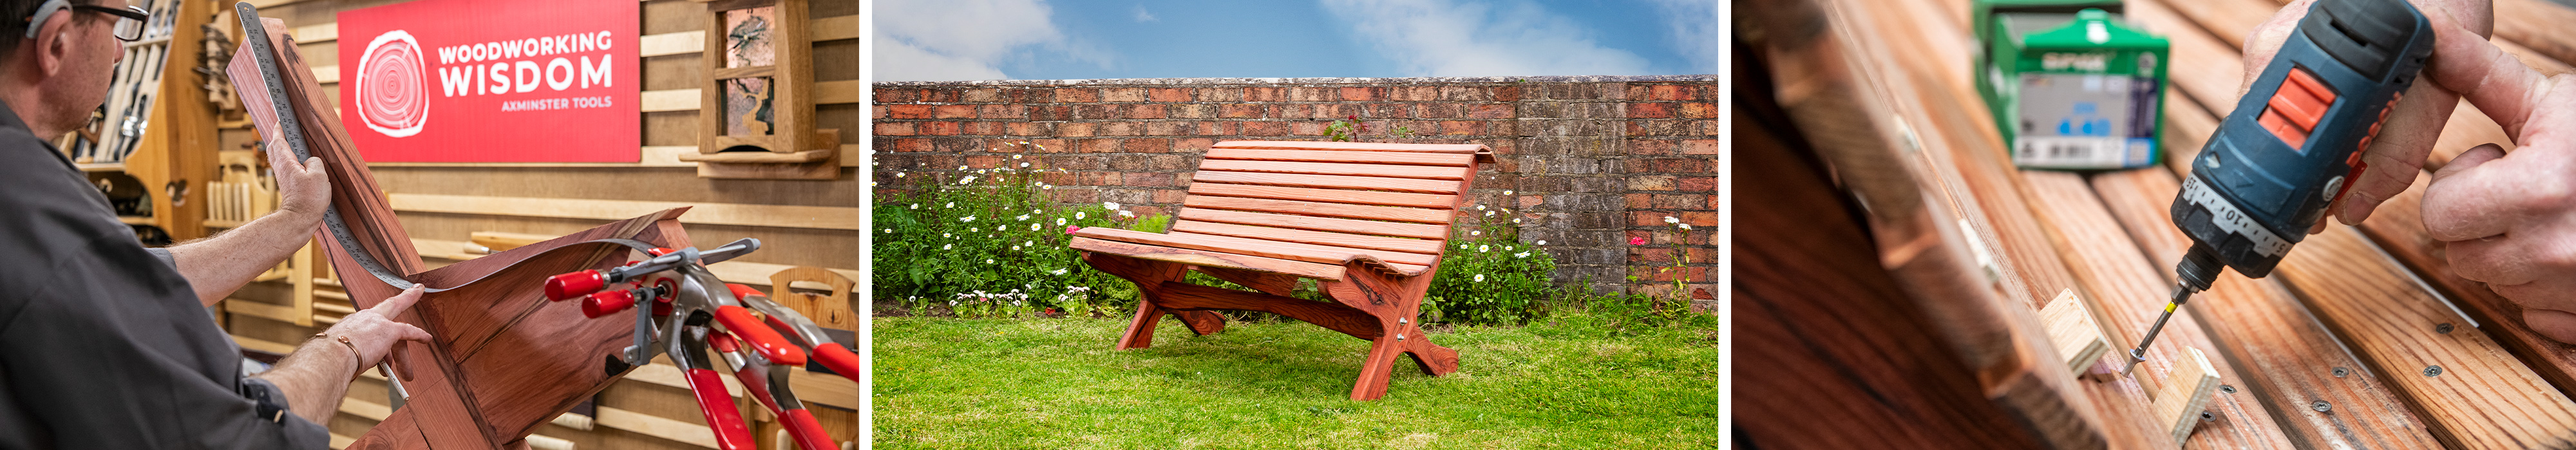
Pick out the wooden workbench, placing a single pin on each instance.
(1867, 163)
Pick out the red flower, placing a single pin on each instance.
(1640, 240)
(1071, 229)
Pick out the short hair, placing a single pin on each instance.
(13, 27)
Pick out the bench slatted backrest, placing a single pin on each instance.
(1390, 201)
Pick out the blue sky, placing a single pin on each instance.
(920, 40)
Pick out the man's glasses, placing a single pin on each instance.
(129, 22)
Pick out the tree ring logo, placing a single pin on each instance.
(392, 90)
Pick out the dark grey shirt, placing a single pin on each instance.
(102, 344)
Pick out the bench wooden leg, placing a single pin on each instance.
(1149, 276)
(1397, 305)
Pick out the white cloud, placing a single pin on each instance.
(1143, 16)
(944, 40)
(1695, 35)
(1446, 38)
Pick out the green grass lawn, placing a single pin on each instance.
(1056, 383)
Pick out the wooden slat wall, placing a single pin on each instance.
(816, 219)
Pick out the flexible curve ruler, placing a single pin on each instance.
(255, 35)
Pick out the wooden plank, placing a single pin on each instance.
(2477, 395)
(2398, 227)
(1345, 156)
(327, 74)
(2286, 357)
(1318, 254)
(656, 426)
(2130, 293)
(820, 389)
(2538, 25)
(362, 408)
(1208, 258)
(825, 93)
(1329, 181)
(678, 43)
(1361, 146)
(661, 372)
(501, 241)
(1409, 230)
(742, 272)
(1422, 246)
(281, 313)
(1363, 170)
(2071, 327)
(1440, 217)
(787, 216)
(1404, 199)
(2186, 392)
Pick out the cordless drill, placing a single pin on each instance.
(2294, 142)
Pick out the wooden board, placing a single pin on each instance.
(2186, 392)
(2072, 329)
(2398, 228)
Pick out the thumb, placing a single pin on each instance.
(2468, 160)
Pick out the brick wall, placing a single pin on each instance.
(1590, 162)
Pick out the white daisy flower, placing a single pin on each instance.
(1483, 248)
(1521, 255)
(1542, 242)
(1480, 278)
(898, 174)
(1112, 206)
(1126, 213)
(1077, 215)
(967, 219)
(1685, 227)
(968, 179)
(1507, 192)
(961, 168)
(1671, 219)
(947, 246)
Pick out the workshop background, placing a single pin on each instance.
(195, 136)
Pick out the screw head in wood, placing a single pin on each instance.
(2321, 406)
(2444, 328)
(2340, 372)
(2432, 371)
(1399, 336)
(1403, 321)
(2205, 416)
(2227, 388)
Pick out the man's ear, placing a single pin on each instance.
(53, 43)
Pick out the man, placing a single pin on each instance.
(105, 344)
(2508, 220)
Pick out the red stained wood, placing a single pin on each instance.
(1406, 199)
(1330, 156)
(1362, 146)
(1329, 181)
(1409, 262)
(1408, 230)
(1209, 258)
(1320, 209)
(1367, 170)
(1394, 244)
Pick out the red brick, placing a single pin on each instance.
(1700, 221)
(877, 112)
(1507, 94)
(1356, 94)
(1650, 110)
(1440, 111)
(1121, 129)
(1678, 201)
(1092, 112)
(1215, 128)
(1528, 201)
(1077, 95)
(1051, 146)
(1144, 111)
(1197, 111)
(1671, 92)
(1635, 92)
(1650, 183)
(1025, 128)
(1074, 195)
(1168, 162)
(1074, 129)
(946, 95)
(1700, 147)
(1167, 197)
(1146, 146)
(1491, 112)
(1413, 93)
(1212, 95)
(1292, 111)
(1169, 128)
(1389, 111)
(1265, 94)
(1122, 94)
(908, 111)
(1461, 128)
(984, 161)
(990, 95)
(1168, 95)
(953, 112)
(1101, 179)
(1681, 165)
(1466, 94)
(1099, 145)
(1260, 129)
(1306, 128)
(911, 145)
(1241, 111)
(1310, 94)
(981, 128)
(1162, 179)
(1699, 111)
(1650, 147)
(895, 128)
(1637, 201)
(1002, 111)
(890, 96)
(1701, 184)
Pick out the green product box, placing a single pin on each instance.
(2075, 91)
(1981, 15)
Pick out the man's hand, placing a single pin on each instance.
(2391, 162)
(2510, 219)
(374, 332)
(305, 189)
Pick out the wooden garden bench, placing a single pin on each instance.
(1368, 221)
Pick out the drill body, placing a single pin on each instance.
(2294, 141)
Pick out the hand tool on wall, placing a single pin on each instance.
(680, 299)
(2294, 142)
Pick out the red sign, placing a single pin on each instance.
(492, 81)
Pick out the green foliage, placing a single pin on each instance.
(987, 243)
(1488, 276)
(1345, 129)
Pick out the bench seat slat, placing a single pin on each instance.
(1305, 208)
(1328, 181)
(1327, 272)
(1409, 263)
(1363, 170)
(1357, 157)
(1360, 146)
(1405, 199)
(1397, 229)
(1361, 241)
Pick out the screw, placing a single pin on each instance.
(2444, 328)
(2227, 388)
(2432, 371)
(1399, 336)
(2205, 416)
(2321, 406)
(2340, 372)
(1403, 320)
